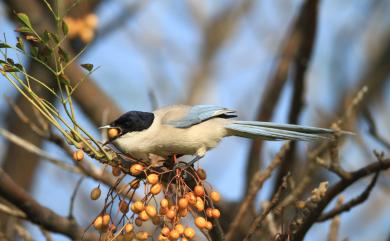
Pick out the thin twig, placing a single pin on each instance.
(350, 204)
(12, 211)
(335, 224)
(256, 225)
(257, 182)
(73, 197)
(36, 150)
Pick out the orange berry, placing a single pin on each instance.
(183, 203)
(138, 222)
(156, 220)
(95, 193)
(156, 189)
(128, 228)
(201, 174)
(215, 196)
(199, 204)
(174, 234)
(189, 233)
(200, 222)
(106, 219)
(183, 212)
(191, 198)
(116, 171)
(162, 238)
(112, 133)
(98, 223)
(171, 214)
(142, 235)
(216, 213)
(184, 239)
(78, 155)
(163, 211)
(179, 228)
(209, 225)
(152, 178)
(151, 211)
(143, 216)
(136, 169)
(199, 190)
(165, 231)
(123, 206)
(138, 206)
(209, 212)
(164, 203)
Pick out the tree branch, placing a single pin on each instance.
(39, 214)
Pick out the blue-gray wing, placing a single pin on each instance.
(200, 113)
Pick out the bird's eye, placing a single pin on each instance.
(113, 133)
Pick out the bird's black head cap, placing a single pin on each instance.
(133, 121)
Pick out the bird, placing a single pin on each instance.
(194, 130)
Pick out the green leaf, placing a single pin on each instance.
(9, 68)
(4, 45)
(34, 51)
(88, 67)
(45, 36)
(24, 19)
(65, 28)
(20, 44)
(63, 55)
(24, 29)
(54, 38)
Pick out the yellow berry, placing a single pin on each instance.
(138, 206)
(95, 193)
(152, 178)
(183, 203)
(142, 235)
(189, 233)
(164, 203)
(174, 234)
(116, 171)
(98, 223)
(91, 20)
(179, 228)
(165, 231)
(151, 211)
(201, 174)
(215, 196)
(209, 212)
(112, 133)
(191, 198)
(78, 155)
(199, 190)
(171, 214)
(209, 225)
(200, 222)
(199, 204)
(156, 189)
(128, 228)
(143, 216)
(136, 169)
(215, 213)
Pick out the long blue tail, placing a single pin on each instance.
(274, 131)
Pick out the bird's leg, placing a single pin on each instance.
(192, 162)
(185, 165)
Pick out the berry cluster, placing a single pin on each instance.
(173, 198)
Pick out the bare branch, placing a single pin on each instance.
(39, 214)
(257, 183)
